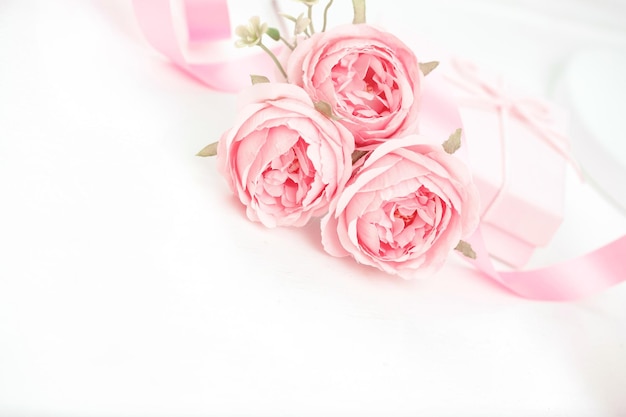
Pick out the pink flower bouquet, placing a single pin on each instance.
(337, 136)
(344, 125)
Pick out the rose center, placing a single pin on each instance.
(407, 218)
(371, 86)
(366, 85)
(294, 167)
(287, 178)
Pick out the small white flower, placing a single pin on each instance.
(302, 23)
(250, 34)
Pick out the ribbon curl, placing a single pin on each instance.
(206, 22)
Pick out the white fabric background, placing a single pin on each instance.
(131, 283)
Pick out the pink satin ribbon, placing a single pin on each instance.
(570, 280)
(208, 20)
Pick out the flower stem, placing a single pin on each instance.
(310, 16)
(359, 11)
(289, 45)
(276, 61)
(326, 14)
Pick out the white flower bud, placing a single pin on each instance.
(250, 34)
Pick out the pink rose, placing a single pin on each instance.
(404, 210)
(283, 159)
(369, 77)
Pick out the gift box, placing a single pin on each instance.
(518, 152)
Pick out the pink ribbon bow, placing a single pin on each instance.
(534, 114)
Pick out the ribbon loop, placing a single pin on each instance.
(206, 21)
(531, 112)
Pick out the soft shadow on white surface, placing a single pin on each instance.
(593, 84)
(132, 284)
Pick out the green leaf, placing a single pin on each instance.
(359, 11)
(325, 109)
(427, 67)
(356, 155)
(258, 79)
(288, 17)
(454, 142)
(209, 150)
(466, 249)
(273, 33)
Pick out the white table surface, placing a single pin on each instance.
(131, 283)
